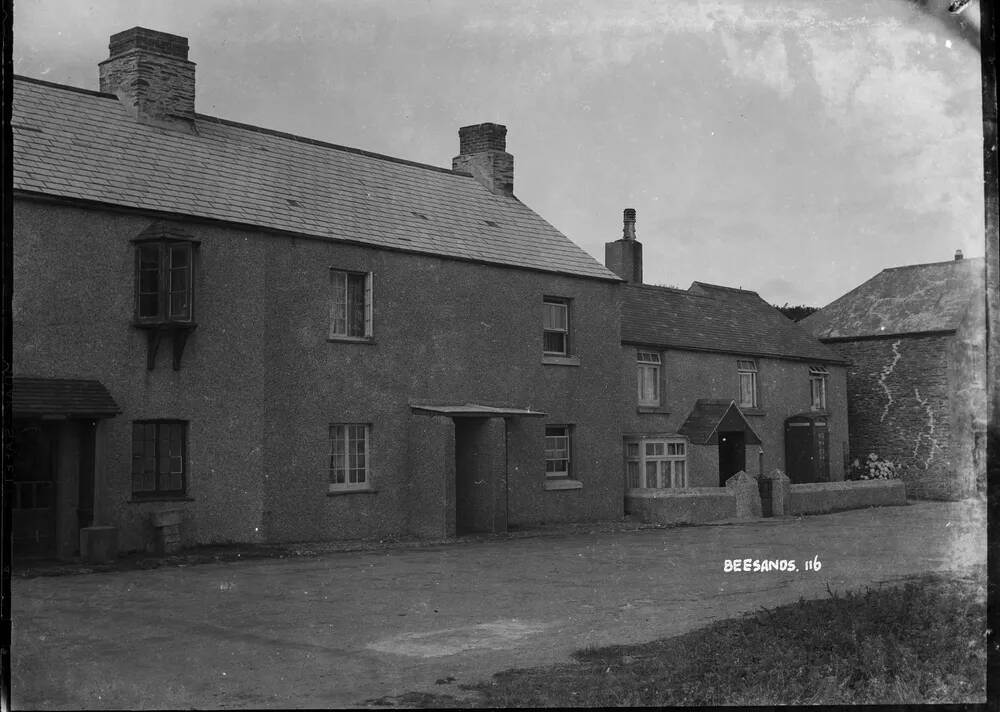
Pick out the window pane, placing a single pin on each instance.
(555, 316)
(338, 464)
(356, 305)
(554, 342)
(651, 475)
(632, 474)
(680, 473)
(338, 304)
(632, 449)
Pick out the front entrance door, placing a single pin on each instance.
(480, 475)
(732, 454)
(33, 488)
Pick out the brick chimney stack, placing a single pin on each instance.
(624, 256)
(483, 154)
(958, 254)
(150, 73)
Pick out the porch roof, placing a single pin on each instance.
(475, 410)
(710, 416)
(66, 397)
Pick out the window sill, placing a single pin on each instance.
(341, 492)
(753, 411)
(164, 324)
(351, 339)
(138, 499)
(658, 410)
(563, 484)
(561, 360)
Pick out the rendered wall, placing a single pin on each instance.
(73, 275)
(783, 390)
(260, 383)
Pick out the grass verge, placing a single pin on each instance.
(919, 642)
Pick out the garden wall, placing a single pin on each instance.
(818, 497)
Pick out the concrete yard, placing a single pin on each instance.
(340, 629)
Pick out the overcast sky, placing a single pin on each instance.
(795, 148)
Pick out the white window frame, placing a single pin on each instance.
(342, 437)
(548, 328)
(559, 452)
(818, 376)
(340, 307)
(747, 372)
(663, 459)
(648, 364)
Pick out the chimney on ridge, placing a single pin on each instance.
(483, 153)
(624, 256)
(958, 254)
(150, 73)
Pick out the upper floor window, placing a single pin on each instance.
(656, 463)
(349, 465)
(164, 280)
(747, 369)
(351, 305)
(817, 387)
(555, 334)
(159, 457)
(648, 378)
(557, 451)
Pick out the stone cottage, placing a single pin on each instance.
(715, 380)
(252, 336)
(916, 390)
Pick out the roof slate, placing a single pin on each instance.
(708, 414)
(903, 300)
(61, 396)
(77, 144)
(707, 317)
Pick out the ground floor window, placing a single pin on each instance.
(656, 463)
(159, 449)
(557, 450)
(349, 461)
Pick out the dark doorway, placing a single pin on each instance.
(33, 488)
(807, 456)
(732, 454)
(480, 475)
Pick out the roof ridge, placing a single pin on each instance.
(724, 287)
(932, 264)
(327, 144)
(67, 87)
(265, 130)
(674, 290)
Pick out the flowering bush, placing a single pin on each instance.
(874, 468)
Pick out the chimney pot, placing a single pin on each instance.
(624, 256)
(958, 254)
(628, 230)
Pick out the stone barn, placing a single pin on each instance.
(915, 336)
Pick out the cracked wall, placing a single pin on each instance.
(908, 401)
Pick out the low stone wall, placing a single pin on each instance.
(689, 506)
(818, 497)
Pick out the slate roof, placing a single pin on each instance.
(903, 300)
(708, 317)
(61, 396)
(708, 414)
(82, 144)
